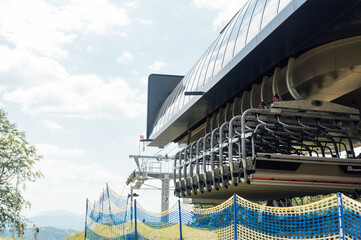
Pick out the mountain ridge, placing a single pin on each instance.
(58, 212)
(60, 219)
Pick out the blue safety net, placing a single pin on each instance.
(335, 217)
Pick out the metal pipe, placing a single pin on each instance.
(175, 168)
(197, 155)
(180, 166)
(221, 163)
(230, 144)
(185, 162)
(204, 152)
(191, 159)
(221, 143)
(214, 132)
(243, 138)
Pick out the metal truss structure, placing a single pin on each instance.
(151, 167)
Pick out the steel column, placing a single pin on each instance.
(340, 216)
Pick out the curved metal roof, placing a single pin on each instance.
(259, 36)
(243, 27)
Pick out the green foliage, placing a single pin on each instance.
(309, 199)
(76, 236)
(17, 160)
(204, 206)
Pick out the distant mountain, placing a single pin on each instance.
(58, 213)
(48, 233)
(59, 219)
(54, 225)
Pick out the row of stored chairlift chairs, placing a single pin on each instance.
(228, 154)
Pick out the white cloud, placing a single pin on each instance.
(126, 57)
(226, 9)
(144, 81)
(37, 32)
(53, 126)
(43, 28)
(131, 4)
(120, 34)
(66, 185)
(93, 16)
(89, 48)
(81, 96)
(19, 65)
(156, 66)
(50, 150)
(145, 21)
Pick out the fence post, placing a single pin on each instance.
(180, 220)
(86, 217)
(235, 215)
(340, 216)
(135, 219)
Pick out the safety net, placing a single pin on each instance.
(335, 217)
(109, 199)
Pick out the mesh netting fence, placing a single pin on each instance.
(109, 199)
(336, 217)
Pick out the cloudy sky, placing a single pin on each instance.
(74, 78)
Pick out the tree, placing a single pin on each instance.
(17, 162)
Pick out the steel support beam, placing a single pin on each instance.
(165, 193)
(275, 82)
(264, 89)
(289, 80)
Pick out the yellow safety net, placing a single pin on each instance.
(335, 217)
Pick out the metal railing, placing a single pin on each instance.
(296, 132)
